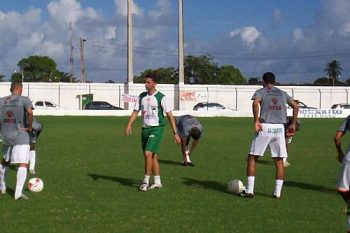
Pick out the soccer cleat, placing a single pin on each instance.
(276, 196)
(346, 210)
(244, 193)
(186, 164)
(3, 191)
(32, 171)
(143, 187)
(23, 197)
(155, 186)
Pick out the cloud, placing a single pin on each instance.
(122, 8)
(297, 34)
(247, 34)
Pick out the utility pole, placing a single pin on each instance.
(71, 73)
(181, 44)
(130, 48)
(82, 64)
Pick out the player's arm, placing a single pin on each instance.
(173, 127)
(256, 108)
(131, 121)
(193, 145)
(30, 118)
(291, 128)
(337, 142)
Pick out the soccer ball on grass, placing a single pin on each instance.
(35, 185)
(235, 186)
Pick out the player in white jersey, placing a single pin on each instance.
(343, 183)
(270, 115)
(188, 127)
(16, 117)
(152, 105)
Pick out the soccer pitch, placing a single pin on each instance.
(91, 173)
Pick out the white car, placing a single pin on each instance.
(210, 107)
(43, 104)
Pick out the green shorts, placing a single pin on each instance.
(151, 138)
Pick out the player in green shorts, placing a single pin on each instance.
(153, 105)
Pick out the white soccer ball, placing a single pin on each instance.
(35, 185)
(235, 186)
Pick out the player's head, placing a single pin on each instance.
(195, 133)
(269, 78)
(16, 87)
(150, 82)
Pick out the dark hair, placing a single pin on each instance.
(269, 78)
(15, 84)
(195, 133)
(152, 76)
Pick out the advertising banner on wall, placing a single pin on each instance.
(321, 113)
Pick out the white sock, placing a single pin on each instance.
(348, 222)
(32, 160)
(21, 179)
(3, 173)
(250, 184)
(188, 159)
(157, 180)
(146, 179)
(278, 188)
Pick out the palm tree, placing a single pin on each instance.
(333, 70)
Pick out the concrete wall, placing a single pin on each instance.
(183, 98)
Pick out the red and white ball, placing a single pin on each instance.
(35, 185)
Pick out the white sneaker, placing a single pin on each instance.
(24, 197)
(286, 164)
(155, 186)
(143, 187)
(3, 191)
(32, 171)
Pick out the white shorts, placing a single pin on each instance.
(19, 154)
(344, 176)
(273, 136)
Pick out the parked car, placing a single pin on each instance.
(210, 107)
(100, 105)
(302, 105)
(340, 106)
(43, 104)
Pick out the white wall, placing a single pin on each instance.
(183, 98)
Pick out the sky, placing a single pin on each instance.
(295, 39)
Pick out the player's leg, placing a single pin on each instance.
(154, 145)
(257, 149)
(278, 152)
(6, 150)
(156, 173)
(184, 150)
(32, 158)
(279, 177)
(20, 156)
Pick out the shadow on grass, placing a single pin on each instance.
(206, 184)
(267, 162)
(313, 187)
(170, 162)
(120, 180)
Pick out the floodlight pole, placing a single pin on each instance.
(181, 44)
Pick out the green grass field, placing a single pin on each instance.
(92, 172)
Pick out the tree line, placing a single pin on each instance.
(197, 70)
